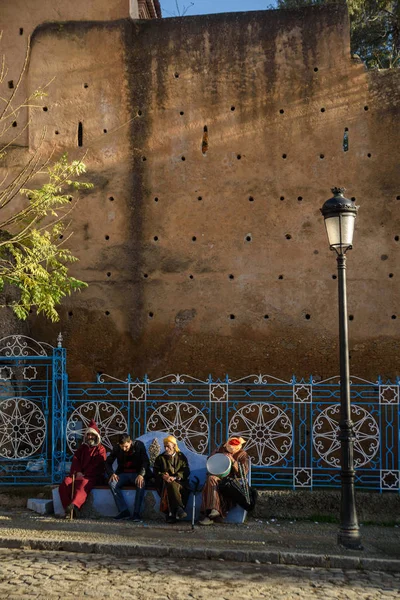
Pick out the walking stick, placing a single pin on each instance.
(72, 495)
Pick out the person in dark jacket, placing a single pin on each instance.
(132, 467)
(171, 473)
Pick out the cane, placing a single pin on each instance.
(195, 489)
(72, 495)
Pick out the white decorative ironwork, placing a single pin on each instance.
(258, 379)
(389, 394)
(5, 373)
(22, 428)
(302, 477)
(137, 392)
(109, 419)
(267, 431)
(390, 480)
(21, 345)
(326, 430)
(177, 379)
(218, 392)
(184, 421)
(30, 373)
(302, 393)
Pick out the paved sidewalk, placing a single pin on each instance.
(274, 542)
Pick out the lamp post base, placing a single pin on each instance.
(350, 538)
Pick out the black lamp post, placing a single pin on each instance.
(340, 215)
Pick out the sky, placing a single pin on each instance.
(203, 7)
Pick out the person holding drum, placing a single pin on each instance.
(229, 460)
(171, 473)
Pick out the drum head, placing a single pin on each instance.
(219, 465)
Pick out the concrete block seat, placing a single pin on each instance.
(100, 502)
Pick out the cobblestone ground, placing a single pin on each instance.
(36, 574)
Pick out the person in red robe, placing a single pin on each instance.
(87, 467)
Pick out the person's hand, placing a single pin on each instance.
(114, 477)
(139, 481)
(166, 477)
(79, 474)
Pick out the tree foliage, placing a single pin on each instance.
(35, 205)
(375, 29)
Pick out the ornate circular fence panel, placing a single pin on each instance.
(326, 431)
(110, 421)
(184, 421)
(267, 430)
(22, 428)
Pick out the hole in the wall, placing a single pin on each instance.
(281, 111)
(107, 313)
(308, 317)
(369, 154)
(334, 276)
(151, 315)
(194, 238)
(45, 109)
(284, 156)
(204, 142)
(322, 156)
(266, 317)
(14, 123)
(239, 156)
(251, 199)
(176, 75)
(80, 134)
(394, 317)
(280, 277)
(60, 237)
(282, 197)
(111, 198)
(191, 277)
(248, 238)
(109, 274)
(346, 140)
(288, 236)
(232, 316)
(315, 69)
(145, 275)
(396, 238)
(390, 275)
(316, 252)
(70, 198)
(351, 317)
(70, 314)
(181, 113)
(365, 107)
(322, 109)
(106, 237)
(56, 132)
(144, 159)
(21, 31)
(156, 199)
(300, 198)
(139, 113)
(397, 197)
(11, 84)
(384, 257)
(231, 276)
(85, 85)
(155, 238)
(199, 198)
(353, 198)
(183, 158)
(104, 130)
(233, 108)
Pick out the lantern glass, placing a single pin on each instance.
(340, 230)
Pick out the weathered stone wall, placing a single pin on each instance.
(213, 142)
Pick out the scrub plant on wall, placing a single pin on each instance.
(35, 204)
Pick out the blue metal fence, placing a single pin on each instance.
(291, 427)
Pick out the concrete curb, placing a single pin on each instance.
(202, 553)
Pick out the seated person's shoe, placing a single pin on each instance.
(214, 514)
(180, 513)
(70, 511)
(125, 514)
(206, 521)
(171, 519)
(136, 518)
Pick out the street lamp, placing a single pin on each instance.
(340, 214)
